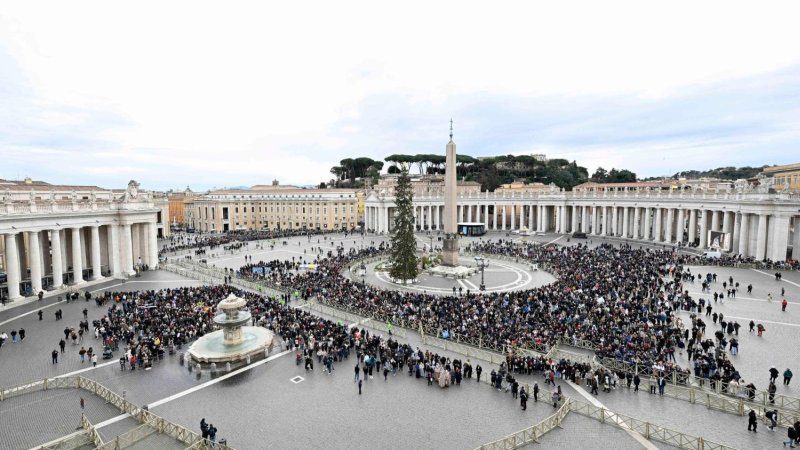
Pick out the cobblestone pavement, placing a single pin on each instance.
(401, 411)
(578, 431)
(33, 354)
(39, 417)
(326, 410)
(694, 419)
(779, 343)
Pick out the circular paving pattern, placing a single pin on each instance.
(499, 276)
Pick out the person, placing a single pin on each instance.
(21, 334)
(94, 359)
(636, 381)
(62, 344)
(523, 399)
(212, 433)
(82, 403)
(752, 422)
(773, 374)
(535, 392)
(783, 305)
(478, 370)
(55, 356)
(359, 386)
(204, 428)
(787, 376)
(771, 391)
(752, 325)
(13, 336)
(760, 330)
(791, 433)
(40, 314)
(357, 371)
(82, 354)
(772, 415)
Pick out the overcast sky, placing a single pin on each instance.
(235, 93)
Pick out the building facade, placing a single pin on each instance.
(177, 206)
(56, 235)
(268, 207)
(760, 222)
(784, 176)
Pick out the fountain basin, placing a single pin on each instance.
(212, 347)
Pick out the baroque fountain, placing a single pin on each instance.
(233, 342)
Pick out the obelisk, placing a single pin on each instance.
(450, 245)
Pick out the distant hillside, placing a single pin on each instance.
(724, 173)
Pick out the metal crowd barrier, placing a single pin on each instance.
(141, 414)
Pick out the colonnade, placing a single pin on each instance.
(48, 257)
(750, 230)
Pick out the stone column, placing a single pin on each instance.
(646, 227)
(35, 261)
(513, 217)
(737, 223)
(574, 226)
(681, 225)
(727, 221)
(127, 250)
(504, 217)
(584, 219)
(744, 232)
(77, 261)
(545, 218)
(715, 221)
(44, 245)
(668, 225)
(692, 225)
(761, 237)
(657, 225)
(522, 216)
(114, 265)
(625, 220)
(152, 240)
(595, 220)
(796, 239)
(614, 221)
(96, 270)
(57, 259)
(779, 238)
(486, 217)
(703, 229)
(12, 267)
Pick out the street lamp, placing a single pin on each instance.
(483, 263)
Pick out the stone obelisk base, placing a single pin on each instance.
(450, 252)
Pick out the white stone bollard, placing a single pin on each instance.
(213, 367)
(248, 359)
(228, 366)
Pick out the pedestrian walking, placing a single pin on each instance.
(82, 404)
(752, 421)
(55, 356)
(523, 399)
(787, 376)
(359, 386)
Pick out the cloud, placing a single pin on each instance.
(207, 96)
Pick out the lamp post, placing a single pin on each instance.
(482, 264)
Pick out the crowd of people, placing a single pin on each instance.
(232, 240)
(623, 300)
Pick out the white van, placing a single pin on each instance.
(712, 254)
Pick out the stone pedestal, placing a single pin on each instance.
(450, 252)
